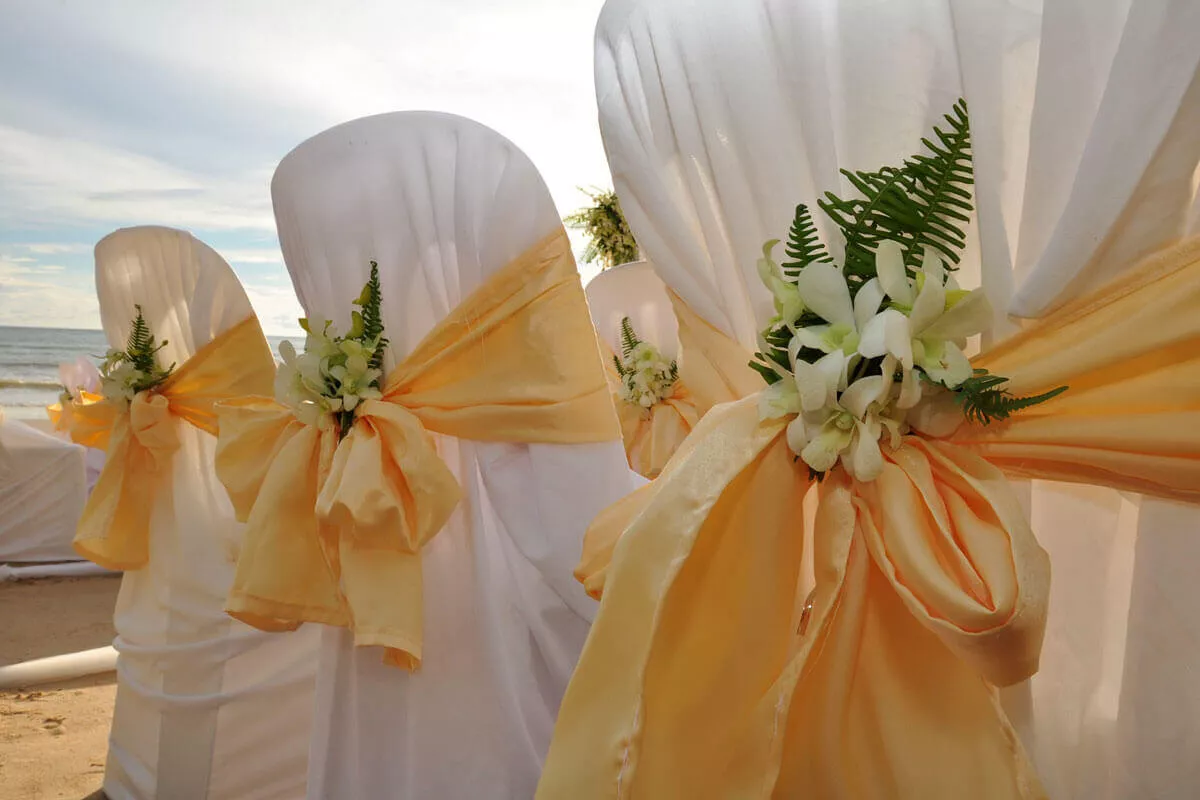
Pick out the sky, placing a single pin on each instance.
(125, 112)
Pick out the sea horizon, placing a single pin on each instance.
(30, 356)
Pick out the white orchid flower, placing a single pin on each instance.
(927, 320)
(788, 303)
(847, 429)
(825, 291)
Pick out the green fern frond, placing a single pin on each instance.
(371, 303)
(804, 244)
(983, 400)
(142, 352)
(629, 338)
(927, 201)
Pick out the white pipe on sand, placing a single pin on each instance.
(58, 668)
(71, 569)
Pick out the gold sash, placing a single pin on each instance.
(931, 588)
(714, 367)
(140, 437)
(334, 531)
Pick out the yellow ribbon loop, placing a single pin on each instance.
(141, 437)
(930, 587)
(334, 531)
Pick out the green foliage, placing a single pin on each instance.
(368, 326)
(629, 339)
(927, 201)
(142, 352)
(629, 342)
(804, 245)
(610, 241)
(983, 400)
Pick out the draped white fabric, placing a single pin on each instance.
(719, 117)
(43, 486)
(441, 203)
(633, 290)
(206, 707)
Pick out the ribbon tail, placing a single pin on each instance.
(283, 575)
(114, 528)
(706, 570)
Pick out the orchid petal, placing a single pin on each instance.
(969, 316)
(893, 277)
(811, 385)
(931, 265)
(867, 302)
(928, 307)
(865, 460)
(822, 451)
(814, 337)
(780, 399)
(824, 290)
(797, 435)
(862, 393)
(910, 390)
(887, 332)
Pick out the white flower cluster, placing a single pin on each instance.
(859, 374)
(332, 376)
(119, 378)
(647, 377)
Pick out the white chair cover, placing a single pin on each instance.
(633, 290)
(441, 203)
(43, 486)
(206, 707)
(719, 117)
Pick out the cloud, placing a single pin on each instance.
(124, 113)
(43, 249)
(36, 296)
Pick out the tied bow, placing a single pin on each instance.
(334, 529)
(345, 517)
(931, 589)
(140, 437)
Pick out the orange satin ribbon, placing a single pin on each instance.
(334, 530)
(931, 589)
(140, 438)
(62, 417)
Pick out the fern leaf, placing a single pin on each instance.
(371, 303)
(629, 338)
(804, 245)
(983, 400)
(926, 202)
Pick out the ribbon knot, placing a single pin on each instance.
(416, 493)
(152, 426)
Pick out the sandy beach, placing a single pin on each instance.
(54, 737)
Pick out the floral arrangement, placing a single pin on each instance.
(874, 348)
(609, 238)
(326, 383)
(124, 373)
(647, 377)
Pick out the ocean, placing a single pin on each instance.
(29, 359)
